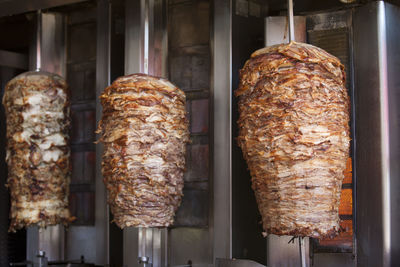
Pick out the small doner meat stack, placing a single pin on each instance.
(294, 134)
(37, 111)
(144, 131)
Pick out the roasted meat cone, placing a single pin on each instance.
(38, 120)
(144, 131)
(294, 134)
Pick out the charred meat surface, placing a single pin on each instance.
(144, 131)
(38, 120)
(294, 134)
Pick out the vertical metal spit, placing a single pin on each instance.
(47, 53)
(302, 250)
(38, 40)
(290, 20)
(144, 35)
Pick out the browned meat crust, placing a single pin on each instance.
(37, 113)
(144, 131)
(294, 134)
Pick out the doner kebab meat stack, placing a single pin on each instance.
(144, 131)
(38, 120)
(294, 134)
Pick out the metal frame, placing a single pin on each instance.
(103, 65)
(221, 43)
(376, 65)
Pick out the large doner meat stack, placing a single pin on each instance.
(37, 112)
(144, 131)
(294, 134)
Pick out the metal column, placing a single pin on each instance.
(145, 52)
(103, 65)
(377, 67)
(51, 240)
(222, 105)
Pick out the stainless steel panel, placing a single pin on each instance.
(189, 244)
(13, 60)
(392, 15)
(13, 7)
(52, 42)
(146, 37)
(333, 259)
(221, 38)
(377, 115)
(103, 64)
(134, 36)
(276, 30)
(51, 240)
(281, 252)
(131, 247)
(81, 240)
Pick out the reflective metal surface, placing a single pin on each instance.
(392, 15)
(103, 63)
(290, 20)
(276, 31)
(50, 240)
(222, 109)
(377, 65)
(283, 251)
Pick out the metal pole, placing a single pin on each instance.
(143, 257)
(146, 37)
(302, 252)
(38, 40)
(291, 20)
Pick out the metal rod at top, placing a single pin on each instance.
(146, 38)
(39, 40)
(291, 20)
(302, 252)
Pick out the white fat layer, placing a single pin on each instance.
(51, 155)
(153, 162)
(31, 209)
(36, 99)
(55, 139)
(40, 204)
(33, 123)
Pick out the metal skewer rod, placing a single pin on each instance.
(39, 40)
(291, 20)
(302, 252)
